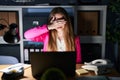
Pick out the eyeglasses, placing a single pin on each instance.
(60, 20)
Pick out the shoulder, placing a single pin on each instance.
(76, 37)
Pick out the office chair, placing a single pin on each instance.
(8, 60)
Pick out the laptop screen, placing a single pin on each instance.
(41, 61)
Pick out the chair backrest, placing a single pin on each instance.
(8, 60)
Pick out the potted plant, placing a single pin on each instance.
(113, 26)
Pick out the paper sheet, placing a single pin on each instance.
(15, 67)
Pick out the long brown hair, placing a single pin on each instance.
(68, 31)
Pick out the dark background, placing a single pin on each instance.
(110, 19)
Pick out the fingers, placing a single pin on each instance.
(53, 19)
(56, 23)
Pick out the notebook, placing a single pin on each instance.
(41, 61)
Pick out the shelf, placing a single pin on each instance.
(29, 14)
(92, 39)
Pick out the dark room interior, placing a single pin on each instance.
(96, 22)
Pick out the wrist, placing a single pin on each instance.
(48, 26)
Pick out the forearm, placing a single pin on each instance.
(34, 32)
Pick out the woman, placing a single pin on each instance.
(57, 35)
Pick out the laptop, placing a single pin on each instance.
(41, 61)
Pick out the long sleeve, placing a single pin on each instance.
(78, 50)
(37, 33)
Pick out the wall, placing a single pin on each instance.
(53, 2)
(63, 2)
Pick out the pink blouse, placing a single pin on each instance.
(41, 34)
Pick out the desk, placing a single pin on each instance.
(28, 75)
(113, 72)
